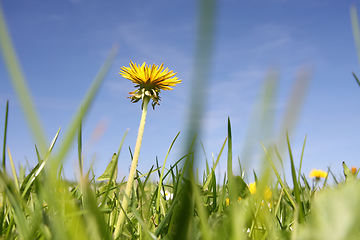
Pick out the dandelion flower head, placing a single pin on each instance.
(253, 189)
(149, 81)
(316, 173)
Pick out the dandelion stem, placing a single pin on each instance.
(132, 173)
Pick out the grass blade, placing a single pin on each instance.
(5, 132)
(86, 103)
(16, 182)
(295, 183)
(80, 149)
(279, 178)
(356, 31)
(206, 185)
(161, 177)
(357, 80)
(19, 84)
(301, 159)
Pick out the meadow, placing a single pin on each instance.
(182, 203)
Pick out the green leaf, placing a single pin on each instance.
(241, 188)
(109, 169)
(347, 172)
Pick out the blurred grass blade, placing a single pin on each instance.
(167, 218)
(296, 100)
(52, 144)
(206, 185)
(5, 132)
(261, 118)
(279, 178)
(95, 222)
(356, 78)
(21, 222)
(112, 179)
(222, 196)
(202, 67)
(86, 103)
(301, 159)
(149, 234)
(30, 178)
(347, 173)
(161, 177)
(16, 182)
(18, 81)
(356, 31)
(295, 183)
(202, 213)
(80, 148)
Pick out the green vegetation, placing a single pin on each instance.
(41, 204)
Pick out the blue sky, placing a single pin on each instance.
(62, 44)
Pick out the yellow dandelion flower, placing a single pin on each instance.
(149, 80)
(227, 201)
(253, 189)
(316, 173)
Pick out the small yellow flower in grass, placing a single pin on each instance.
(149, 80)
(353, 170)
(317, 174)
(227, 201)
(253, 189)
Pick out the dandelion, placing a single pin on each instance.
(353, 170)
(227, 201)
(149, 80)
(253, 189)
(317, 174)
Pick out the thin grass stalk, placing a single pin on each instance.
(80, 149)
(161, 178)
(16, 182)
(295, 183)
(132, 172)
(205, 228)
(5, 133)
(112, 179)
(301, 159)
(231, 181)
(206, 185)
(356, 78)
(279, 178)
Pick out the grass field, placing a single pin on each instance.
(182, 203)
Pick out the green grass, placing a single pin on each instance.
(41, 204)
